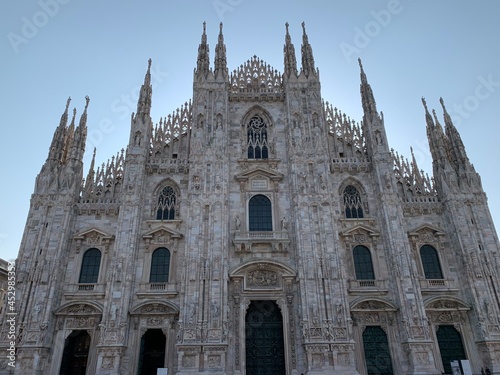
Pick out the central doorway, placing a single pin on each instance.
(265, 348)
(75, 355)
(152, 354)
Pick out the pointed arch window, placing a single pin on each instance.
(160, 266)
(363, 263)
(430, 262)
(260, 214)
(257, 145)
(89, 272)
(352, 203)
(165, 209)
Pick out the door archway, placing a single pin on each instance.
(264, 342)
(76, 353)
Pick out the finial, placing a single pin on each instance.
(204, 27)
(304, 27)
(87, 100)
(220, 25)
(67, 103)
(435, 116)
(442, 103)
(286, 26)
(74, 115)
(149, 64)
(360, 64)
(424, 103)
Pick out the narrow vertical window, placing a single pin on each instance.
(363, 263)
(430, 262)
(352, 203)
(165, 209)
(89, 272)
(257, 146)
(160, 265)
(260, 214)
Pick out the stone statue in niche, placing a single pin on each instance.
(237, 222)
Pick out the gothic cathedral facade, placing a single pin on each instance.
(257, 230)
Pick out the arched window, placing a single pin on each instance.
(160, 265)
(260, 214)
(90, 266)
(377, 354)
(165, 209)
(257, 139)
(430, 262)
(450, 346)
(363, 263)
(352, 203)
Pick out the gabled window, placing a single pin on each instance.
(160, 266)
(363, 263)
(260, 214)
(430, 262)
(165, 209)
(257, 146)
(352, 203)
(91, 262)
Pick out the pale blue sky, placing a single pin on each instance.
(52, 49)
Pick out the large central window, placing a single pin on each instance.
(260, 214)
(257, 139)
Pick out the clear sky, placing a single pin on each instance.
(53, 49)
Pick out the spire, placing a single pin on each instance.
(68, 140)
(220, 56)
(56, 147)
(307, 54)
(289, 55)
(457, 146)
(64, 116)
(89, 181)
(203, 63)
(367, 98)
(144, 102)
(77, 143)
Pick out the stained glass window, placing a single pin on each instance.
(166, 204)
(257, 145)
(352, 203)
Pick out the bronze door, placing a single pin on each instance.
(265, 349)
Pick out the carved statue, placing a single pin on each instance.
(284, 224)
